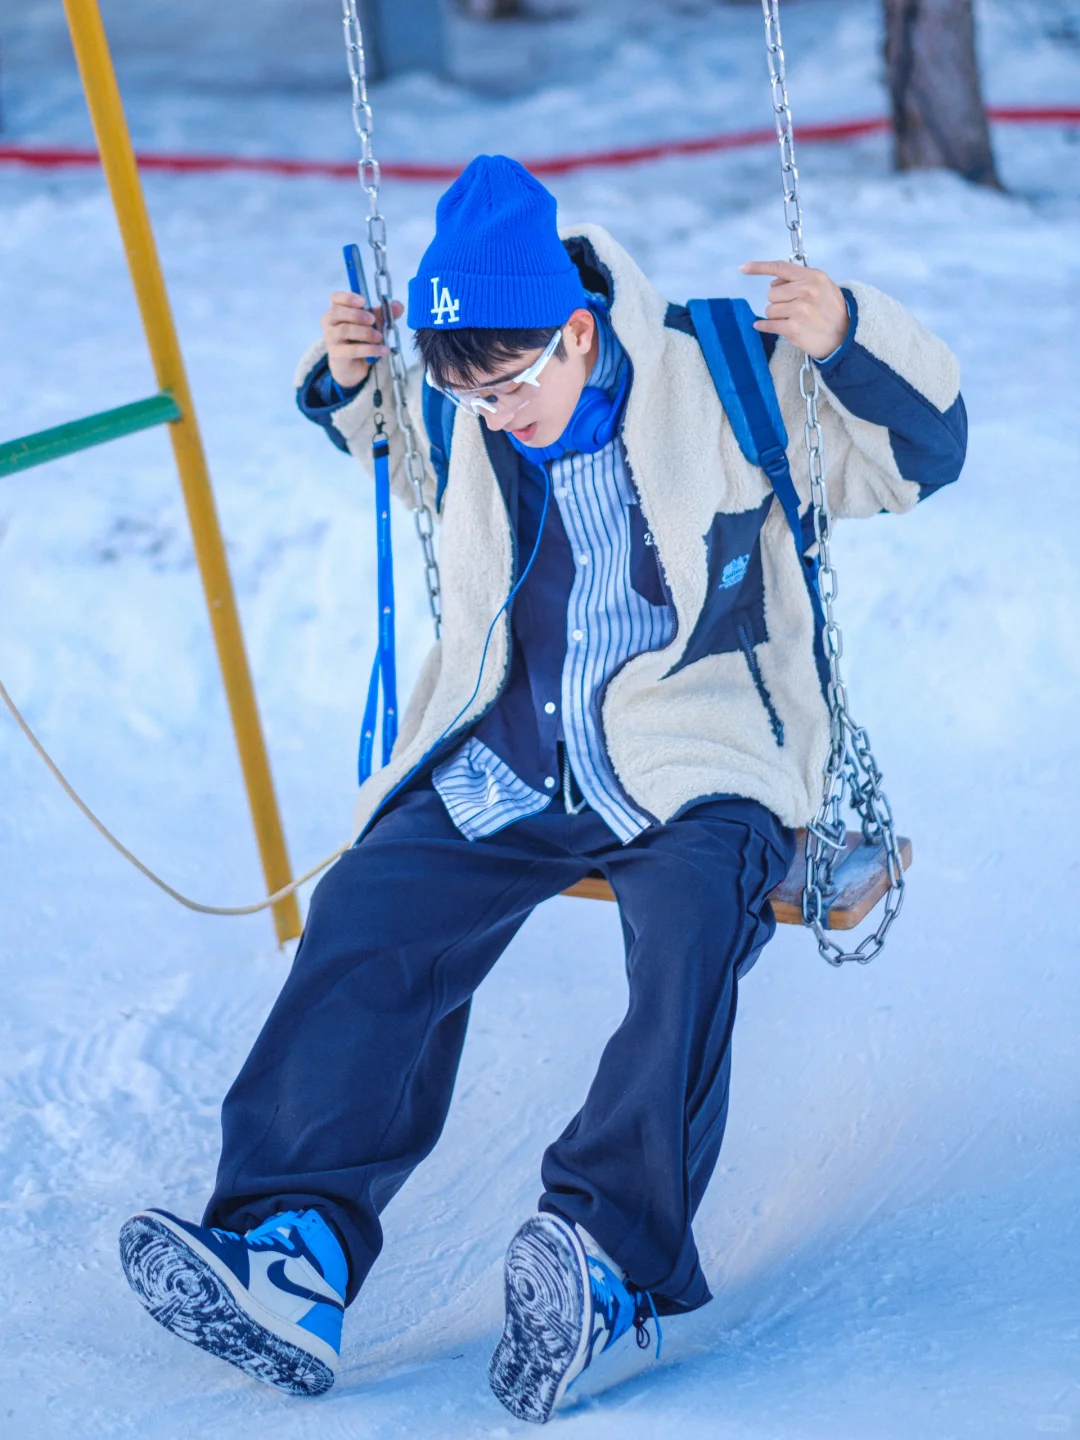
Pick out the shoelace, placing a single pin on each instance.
(641, 1329)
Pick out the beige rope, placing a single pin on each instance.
(134, 860)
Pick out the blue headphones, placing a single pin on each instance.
(592, 426)
(596, 416)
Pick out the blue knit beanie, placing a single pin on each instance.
(496, 261)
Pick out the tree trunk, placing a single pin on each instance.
(937, 108)
(403, 35)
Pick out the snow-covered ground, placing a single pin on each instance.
(892, 1232)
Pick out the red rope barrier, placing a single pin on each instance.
(48, 158)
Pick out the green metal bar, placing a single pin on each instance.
(61, 440)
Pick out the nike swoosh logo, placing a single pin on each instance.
(275, 1273)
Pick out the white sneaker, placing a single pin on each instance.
(270, 1302)
(567, 1303)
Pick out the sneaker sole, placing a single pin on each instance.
(193, 1301)
(544, 1340)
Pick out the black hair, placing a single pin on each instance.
(465, 358)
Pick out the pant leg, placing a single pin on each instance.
(633, 1164)
(348, 1085)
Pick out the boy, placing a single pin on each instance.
(649, 706)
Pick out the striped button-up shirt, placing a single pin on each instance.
(607, 622)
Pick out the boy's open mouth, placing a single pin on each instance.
(526, 433)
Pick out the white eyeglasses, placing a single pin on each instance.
(504, 393)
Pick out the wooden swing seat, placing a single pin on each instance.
(861, 876)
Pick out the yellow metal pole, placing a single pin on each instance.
(122, 174)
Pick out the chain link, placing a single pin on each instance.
(370, 175)
(850, 768)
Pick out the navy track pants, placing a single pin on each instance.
(349, 1083)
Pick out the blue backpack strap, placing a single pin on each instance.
(736, 359)
(733, 351)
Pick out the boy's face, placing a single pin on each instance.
(538, 414)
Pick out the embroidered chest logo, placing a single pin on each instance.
(442, 307)
(734, 571)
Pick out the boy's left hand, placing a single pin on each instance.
(805, 306)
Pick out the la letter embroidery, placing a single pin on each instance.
(442, 307)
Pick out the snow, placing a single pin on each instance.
(892, 1231)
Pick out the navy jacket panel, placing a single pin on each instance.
(518, 729)
(320, 396)
(928, 445)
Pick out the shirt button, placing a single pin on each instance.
(561, 492)
(549, 783)
(579, 635)
(583, 559)
(549, 708)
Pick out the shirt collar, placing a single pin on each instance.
(607, 372)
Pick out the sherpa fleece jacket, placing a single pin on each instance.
(686, 722)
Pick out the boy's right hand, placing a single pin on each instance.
(354, 336)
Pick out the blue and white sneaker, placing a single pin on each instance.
(566, 1304)
(270, 1302)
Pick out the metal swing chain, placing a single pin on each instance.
(369, 172)
(850, 768)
